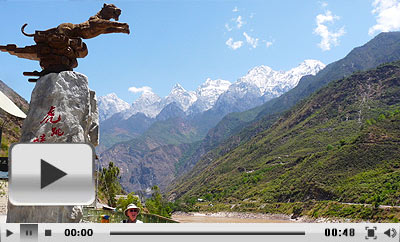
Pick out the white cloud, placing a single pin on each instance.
(268, 43)
(235, 10)
(250, 40)
(328, 38)
(387, 16)
(234, 45)
(140, 89)
(228, 27)
(239, 22)
(324, 4)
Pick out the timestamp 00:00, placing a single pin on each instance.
(78, 232)
(339, 232)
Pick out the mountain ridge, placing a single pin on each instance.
(320, 149)
(237, 128)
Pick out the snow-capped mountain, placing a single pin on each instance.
(179, 95)
(277, 82)
(259, 85)
(207, 94)
(110, 105)
(148, 103)
(262, 81)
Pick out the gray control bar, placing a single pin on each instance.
(299, 232)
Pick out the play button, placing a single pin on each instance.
(8, 233)
(51, 174)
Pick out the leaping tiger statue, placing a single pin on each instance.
(57, 48)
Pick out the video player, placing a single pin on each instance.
(192, 121)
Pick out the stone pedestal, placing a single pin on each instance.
(62, 110)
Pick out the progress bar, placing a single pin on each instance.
(207, 233)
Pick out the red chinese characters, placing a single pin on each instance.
(57, 132)
(54, 130)
(50, 115)
(41, 139)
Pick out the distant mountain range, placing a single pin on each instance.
(259, 84)
(174, 123)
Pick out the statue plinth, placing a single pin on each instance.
(62, 110)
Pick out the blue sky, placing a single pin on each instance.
(187, 42)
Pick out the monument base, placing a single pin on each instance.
(62, 110)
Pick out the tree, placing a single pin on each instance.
(157, 205)
(123, 203)
(109, 183)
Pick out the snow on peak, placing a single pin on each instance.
(307, 67)
(261, 84)
(148, 103)
(277, 82)
(316, 64)
(259, 81)
(178, 87)
(208, 93)
(147, 97)
(213, 87)
(182, 97)
(111, 104)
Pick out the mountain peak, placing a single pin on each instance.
(213, 84)
(312, 66)
(112, 95)
(178, 86)
(182, 97)
(111, 104)
(262, 69)
(147, 103)
(208, 93)
(149, 97)
(276, 82)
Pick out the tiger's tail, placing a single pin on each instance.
(22, 30)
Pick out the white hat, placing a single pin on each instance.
(130, 206)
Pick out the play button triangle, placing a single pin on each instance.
(49, 174)
(8, 233)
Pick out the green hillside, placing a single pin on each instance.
(341, 144)
(236, 128)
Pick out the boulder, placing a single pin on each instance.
(62, 110)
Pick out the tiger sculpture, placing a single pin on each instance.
(95, 26)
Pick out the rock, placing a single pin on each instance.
(62, 101)
(62, 110)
